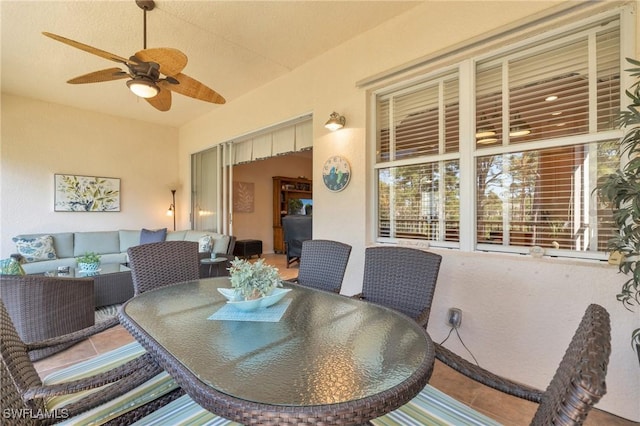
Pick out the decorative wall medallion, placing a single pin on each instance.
(336, 173)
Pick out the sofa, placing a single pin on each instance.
(47, 251)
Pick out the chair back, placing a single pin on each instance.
(44, 307)
(322, 264)
(18, 373)
(579, 381)
(296, 229)
(156, 265)
(401, 278)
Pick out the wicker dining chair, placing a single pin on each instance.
(155, 265)
(136, 384)
(578, 383)
(322, 264)
(401, 278)
(44, 307)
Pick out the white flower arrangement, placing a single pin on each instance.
(253, 280)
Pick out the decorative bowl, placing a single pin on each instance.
(234, 300)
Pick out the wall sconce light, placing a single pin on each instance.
(171, 211)
(335, 122)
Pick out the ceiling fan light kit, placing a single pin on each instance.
(142, 87)
(145, 70)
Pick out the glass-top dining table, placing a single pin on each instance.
(312, 358)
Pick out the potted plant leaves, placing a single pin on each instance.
(88, 262)
(621, 190)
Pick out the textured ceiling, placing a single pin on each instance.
(233, 46)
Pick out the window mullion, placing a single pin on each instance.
(392, 129)
(506, 202)
(467, 145)
(593, 83)
(505, 102)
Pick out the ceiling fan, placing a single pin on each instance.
(144, 69)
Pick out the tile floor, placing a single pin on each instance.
(505, 409)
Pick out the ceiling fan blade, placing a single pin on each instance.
(171, 61)
(161, 101)
(192, 88)
(99, 76)
(87, 48)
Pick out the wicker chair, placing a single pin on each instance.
(578, 384)
(155, 265)
(322, 264)
(29, 399)
(401, 278)
(45, 307)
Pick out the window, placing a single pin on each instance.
(544, 134)
(418, 171)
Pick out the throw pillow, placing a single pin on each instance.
(148, 236)
(36, 249)
(205, 244)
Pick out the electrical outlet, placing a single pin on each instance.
(454, 318)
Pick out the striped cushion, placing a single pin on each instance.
(147, 392)
(182, 412)
(98, 364)
(432, 407)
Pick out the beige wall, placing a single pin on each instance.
(518, 312)
(40, 139)
(258, 225)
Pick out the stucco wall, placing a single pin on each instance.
(518, 312)
(40, 139)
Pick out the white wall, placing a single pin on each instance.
(40, 139)
(518, 313)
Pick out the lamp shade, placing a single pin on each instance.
(335, 122)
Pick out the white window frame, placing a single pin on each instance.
(467, 151)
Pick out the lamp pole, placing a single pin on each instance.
(173, 194)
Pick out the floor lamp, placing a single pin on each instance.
(172, 208)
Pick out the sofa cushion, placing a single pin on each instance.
(98, 242)
(36, 249)
(153, 236)
(176, 236)
(128, 238)
(62, 242)
(220, 243)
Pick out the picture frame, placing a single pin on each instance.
(243, 197)
(78, 193)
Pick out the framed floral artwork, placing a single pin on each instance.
(75, 193)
